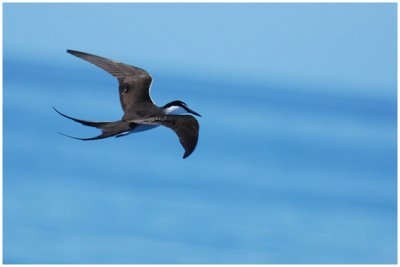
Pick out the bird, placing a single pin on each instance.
(139, 111)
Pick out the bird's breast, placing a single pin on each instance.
(143, 127)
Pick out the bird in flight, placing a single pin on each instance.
(140, 112)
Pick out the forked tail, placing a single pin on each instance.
(108, 129)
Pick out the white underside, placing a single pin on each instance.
(140, 128)
(174, 110)
(143, 127)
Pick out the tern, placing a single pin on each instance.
(140, 112)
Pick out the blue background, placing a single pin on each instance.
(296, 161)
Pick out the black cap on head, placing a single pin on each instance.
(181, 104)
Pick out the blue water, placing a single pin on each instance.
(296, 161)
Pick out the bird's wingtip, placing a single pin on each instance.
(73, 52)
(187, 154)
(59, 112)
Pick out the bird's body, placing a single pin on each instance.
(140, 112)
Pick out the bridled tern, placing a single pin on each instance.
(140, 112)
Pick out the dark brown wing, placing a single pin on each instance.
(185, 126)
(134, 83)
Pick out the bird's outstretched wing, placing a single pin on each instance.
(186, 128)
(134, 83)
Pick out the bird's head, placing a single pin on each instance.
(178, 107)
